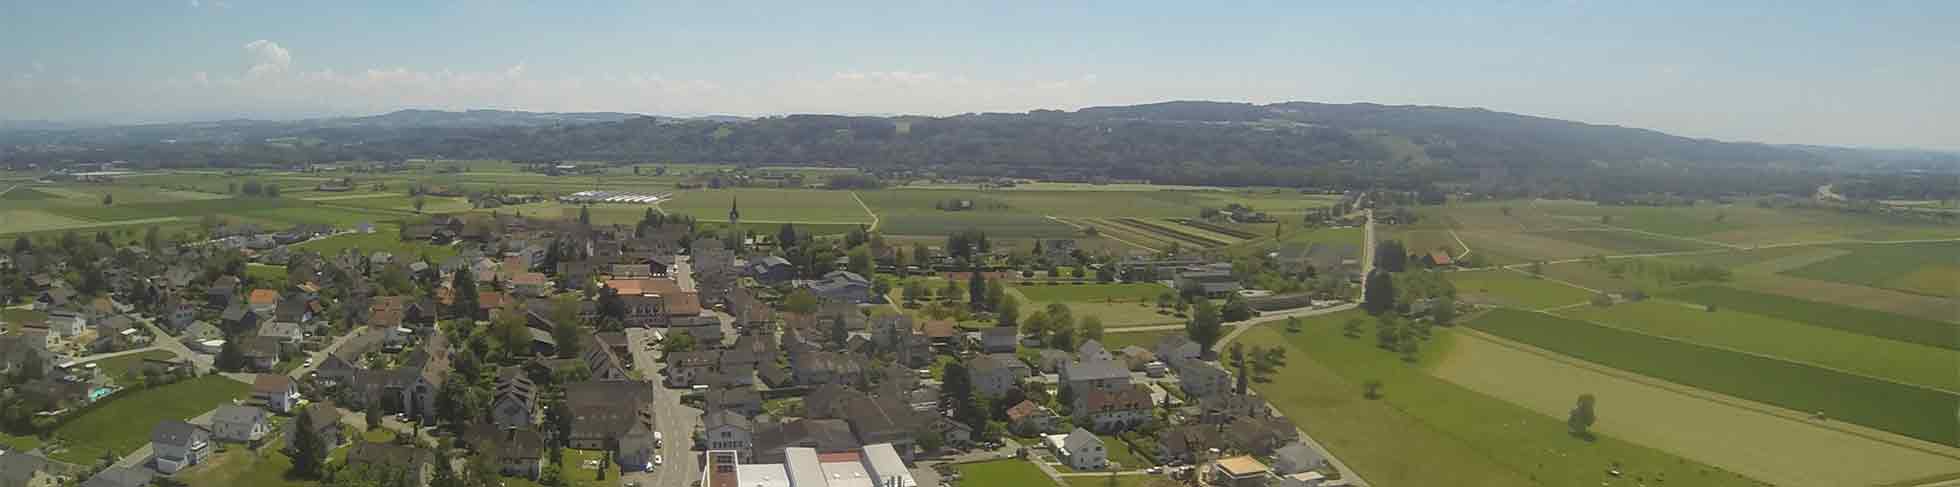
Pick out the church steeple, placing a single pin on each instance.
(734, 215)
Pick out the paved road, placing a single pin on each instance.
(674, 421)
(320, 356)
(102, 356)
(166, 341)
(683, 273)
(1367, 246)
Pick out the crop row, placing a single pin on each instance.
(1179, 235)
(1218, 229)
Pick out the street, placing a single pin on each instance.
(675, 422)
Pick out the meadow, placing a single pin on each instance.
(1501, 287)
(1907, 410)
(1855, 320)
(1130, 292)
(123, 423)
(1001, 472)
(1623, 242)
(1790, 340)
(1427, 431)
(1929, 268)
(769, 205)
(386, 238)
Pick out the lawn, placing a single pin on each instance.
(1930, 269)
(13, 443)
(123, 423)
(1114, 314)
(1501, 287)
(1907, 410)
(1855, 320)
(1426, 431)
(1122, 480)
(1126, 292)
(1624, 242)
(1145, 339)
(242, 466)
(16, 221)
(1121, 454)
(1681, 221)
(1726, 328)
(1737, 436)
(996, 225)
(180, 209)
(385, 237)
(994, 473)
(770, 205)
(116, 367)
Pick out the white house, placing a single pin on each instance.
(1082, 450)
(276, 392)
(67, 323)
(239, 424)
(727, 430)
(177, 444)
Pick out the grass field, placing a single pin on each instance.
(1931, 268)
(123, 424)
(1511, 247)
(1776, 449)
(1682, 221)
(1001, 473)
(116, 367)
(1121, 455)
(17, 221)
(1501, 287)
(774, 205)
(1918, 306)
(1093, 292)
(1797, 341)
(1145, 339)
(1855, 320)
(1426, 431)
(1623, 242)
(1115, 312)
(1122, 480)
(242, 466)
(1907, 410)
(997, 225)
(385, 238)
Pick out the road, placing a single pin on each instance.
(683, 273)
(320, 356)
(1367, 246)
(675, 421)
(166, 341)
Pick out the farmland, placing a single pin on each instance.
(1118, 305)
(1001, 472)
(1906, 410)
(1622, 242)
(1791, 340)
(1501, 287)
(385, 238)
(1780, 449)
(1929, 268)
(1427, 431)
(769, 205)
(1094, 292)
(1855, 320)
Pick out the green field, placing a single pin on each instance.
(1122, 480)
(13, 221)
(1092, 292)
(1001, 472)
(385, 238)
(1912, 411)
(1855, 320)
(1145, 339)
(1929, 268)
(770, 205)
(241, 466)
(1683, 221)
(1426, 431)
(1727, 328)
(121, 365)
(123, 423)
(1502, 287)
(997, 225)
(1623, 242)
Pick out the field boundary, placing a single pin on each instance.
(101, 224)
(867, 211)
(1099, 233)
(1792, 416)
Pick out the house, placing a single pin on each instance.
(1297, 457)
(1116, 410)
(1210, 280)
(294, 310)
(240, 317)
(283, 331)
(276, 392)
(688, 368)
(771, 270)
(1438, 258)
(1239, 471)
(604, 412)
(239, 424)
(1260, 436)
(822, 435)
(21, 469)
(199, 331)
(1177, 347)
(324, 420)
(1103, 375)
(812, 368)
(176, 445)
(1200, 379)
(57, 297)
(1224, 408)
(999, 339)
(743, 400)
(1028, 418)
(121, 477)
(262, 353)
(1185, 444)
(1137, 358)
(1051, 361)
(1093, 350)
(727, 430)
(519, 451)
(178, 314)
(994, 374)
(600, 361)
(885, 419)
(66, 322)
(1082, 450)
(263, 301)
(413, 462)
(842, 286)
(530, 284)
(515, 404)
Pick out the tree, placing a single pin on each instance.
(108, 199)
(1204, 327)
(309, 451)
(1236, 309)
(511, 331)
(860, 261)
(914, 290)
(373, 414)
(464, 286)
(1372, 389)
(566, 334)
(1380, 293)
(976, 286)
(800, 301)
(1091, 327)
(419, 203)
(996, 293)
(677, 342)
(1581, 419)
(22, 245)
(1242, 378)
(1293, 324)
(1008, 312)
(230, 358)
(1444, 310)
(1352, 328)
(452, 401)
(786, 235)
(1391, 256)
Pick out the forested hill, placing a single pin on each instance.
(1153, 140)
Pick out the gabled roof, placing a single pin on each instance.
(272, 384)
(1095, 370)
(1080, 438)
(175, 432)
(235, 414)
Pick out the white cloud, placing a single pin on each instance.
(196, 4)
(267, 58)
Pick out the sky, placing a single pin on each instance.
(1879, 74)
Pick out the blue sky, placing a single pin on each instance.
(1849, 73)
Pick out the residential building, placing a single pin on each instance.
(741, 400)
(994, 374)
(727, 430)
(239, 424)
(1200, 379)
(276, 392)
(842, 286)
(1240, 471)
(416, 463)
(515, 404)
(1297, 457)
(519, 451)
(1028, 418)
(324, 420)
(773, 440)
(121, 477)
(23, 469)
(1082, 450)
(176, 445)
(999, 339)
(1117, 410)
(605, 412)
(1103, 375)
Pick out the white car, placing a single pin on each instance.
(657, 460)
